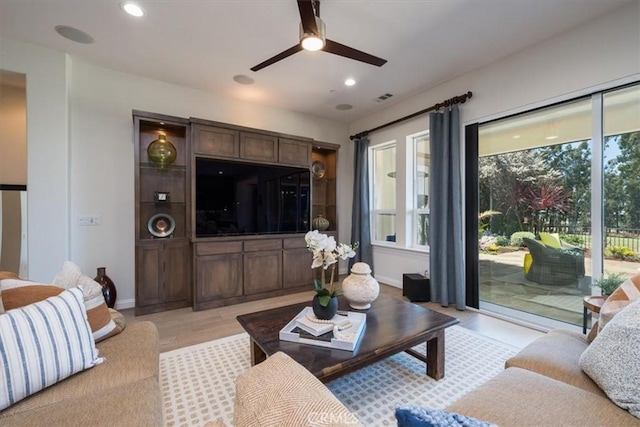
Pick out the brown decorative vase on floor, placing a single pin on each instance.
(325, 313)
(108, 287)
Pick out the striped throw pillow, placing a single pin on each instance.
(102, 325)
(44, 343)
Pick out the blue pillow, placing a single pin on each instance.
(412, 416)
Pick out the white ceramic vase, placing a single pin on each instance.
(360, 288)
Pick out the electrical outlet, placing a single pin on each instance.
(86, 220)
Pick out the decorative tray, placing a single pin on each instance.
(346, 339)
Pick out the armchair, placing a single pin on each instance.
(552, 266)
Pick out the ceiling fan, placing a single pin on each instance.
(312, 38)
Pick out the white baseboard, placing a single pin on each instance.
(388, 281)
(125, 303)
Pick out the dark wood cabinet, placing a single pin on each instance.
(262, 271)
(218, 277)
(163, 263)
(217, 142)
(258, 147)
(324, 184)
(294, 152)
(181, 267)
(162, 270)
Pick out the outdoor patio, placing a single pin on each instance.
(502, 282)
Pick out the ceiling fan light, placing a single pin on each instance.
(312, 43)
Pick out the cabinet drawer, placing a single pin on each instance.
(218, 248)
(262, 245)
(216, 142)
(298, 242)
(292, 152)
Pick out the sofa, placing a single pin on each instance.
(124, 390)
(542, 385)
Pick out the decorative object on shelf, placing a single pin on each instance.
(161, 196)
(161, 225)
(320, 223)
(326, 254)
(317, 169)
(360, 288)
(108, 287)
(161, 152)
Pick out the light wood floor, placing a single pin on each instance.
(184, 327)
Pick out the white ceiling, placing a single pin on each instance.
(202, 44)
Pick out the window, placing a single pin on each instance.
(383, 212)
(421, 190)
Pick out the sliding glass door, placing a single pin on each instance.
(541, 242)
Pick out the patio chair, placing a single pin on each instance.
(552, 266)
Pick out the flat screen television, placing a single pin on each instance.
(235, 198)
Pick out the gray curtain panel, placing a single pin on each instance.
(360, 229)
(445, 192)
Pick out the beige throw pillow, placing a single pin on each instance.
(100, 320)
(611, 360)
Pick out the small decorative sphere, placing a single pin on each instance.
(320, 223)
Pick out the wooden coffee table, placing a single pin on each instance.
(393, 326)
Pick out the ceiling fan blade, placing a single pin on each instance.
(307, 16)
(349, 52)
(278, 57)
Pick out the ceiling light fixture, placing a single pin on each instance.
(516, 136)
(550, 137)
(349, 82)
(310, 41)
(132, 9)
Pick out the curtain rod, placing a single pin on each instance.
(446, 103)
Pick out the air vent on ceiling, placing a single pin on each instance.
(383, 97)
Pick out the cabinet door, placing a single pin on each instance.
(218, 277)
(296, 268)
(216, 142)
(262, 271)
(176, 271)
(254, 146)
(292, 152)
(149, 275)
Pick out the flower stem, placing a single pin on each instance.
(333, 271)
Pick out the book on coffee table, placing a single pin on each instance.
(350, 330)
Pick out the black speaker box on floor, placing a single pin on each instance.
(416, 287)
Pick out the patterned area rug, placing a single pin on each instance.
(198, 382)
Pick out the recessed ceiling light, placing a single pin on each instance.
(550, 137)
(243, 80)
(349, 82)
(343, 107)
(132, 9)
(74, 34)
(516, 136)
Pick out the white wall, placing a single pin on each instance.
(47, 158)
(102, 155)
(599, 54)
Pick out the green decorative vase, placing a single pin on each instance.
(161, 152)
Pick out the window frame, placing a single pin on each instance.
(412, 205)
(374, 213)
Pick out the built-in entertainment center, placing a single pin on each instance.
(221, 211)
